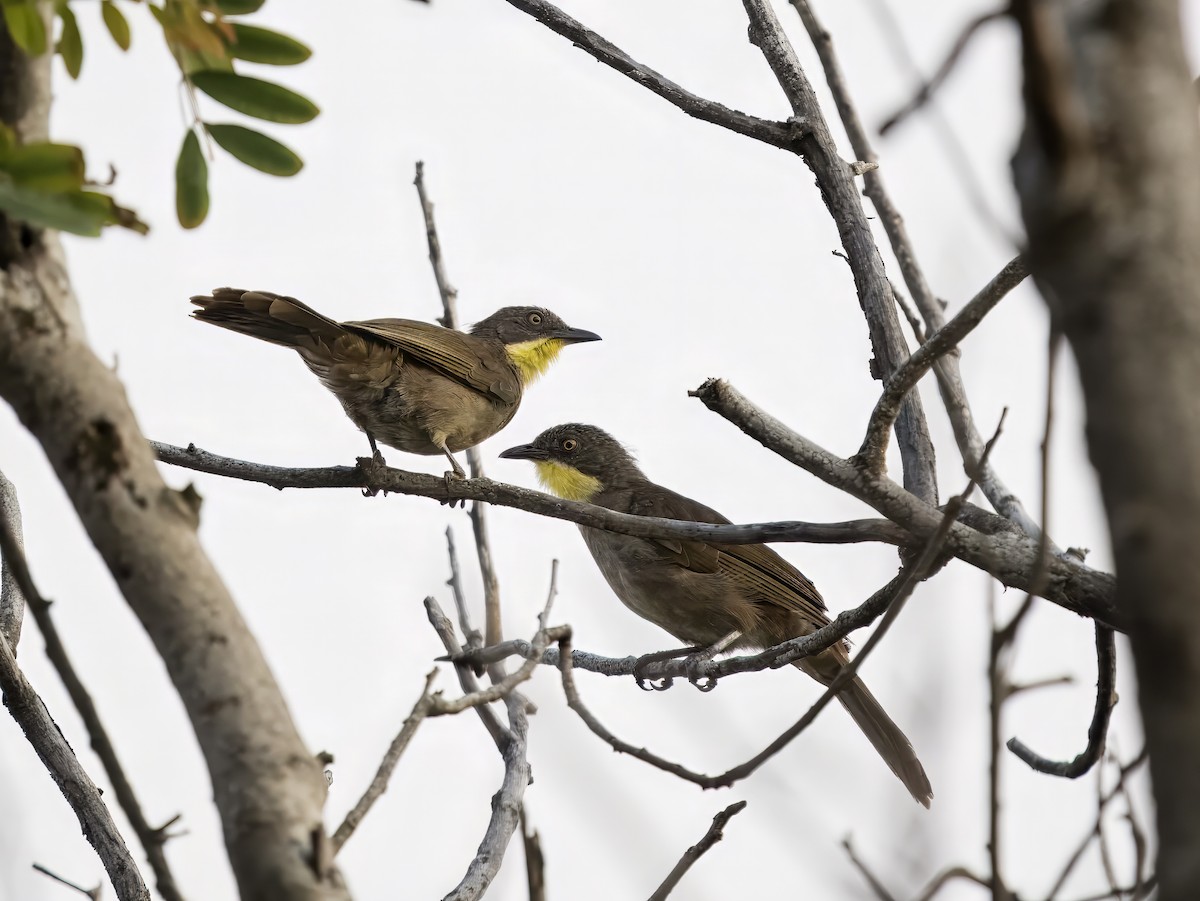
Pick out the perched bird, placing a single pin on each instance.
(411, 385)
(716, 596)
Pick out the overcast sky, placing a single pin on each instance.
(694, 253)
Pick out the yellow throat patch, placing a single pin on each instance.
(532, 358)
(566, 481)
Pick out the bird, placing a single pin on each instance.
(714, 596)
(411, 385)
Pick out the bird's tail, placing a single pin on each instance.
(891, 744)
(268, 317)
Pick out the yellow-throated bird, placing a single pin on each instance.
(411, 385)
(704, 594)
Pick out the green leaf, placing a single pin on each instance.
(78, 212)
(191, 182)
(25, 25)
(261, 45)
(45, 167)
(256, 149)
(254, 97)
(70, 44)
(117, 24)
(239, 7)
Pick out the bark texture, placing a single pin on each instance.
(1109, 177)
(268, 788)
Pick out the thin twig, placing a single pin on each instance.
(93, 893)
(777, 134)
(937, 345)
(470, 635)
(943, 71)
(1077, 588)
(445, 630)
(1122, 773)
(386, 767)
(1106, 669)
(449, 318)
(877, 887)
(714, 834)
(945, 877)
(72, 780)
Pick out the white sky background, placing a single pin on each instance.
(695, 253)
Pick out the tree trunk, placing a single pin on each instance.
(1109, 177)
(268, 788)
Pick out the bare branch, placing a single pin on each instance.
(445, 630)
(152, 838)
(709, 670)
(471, 636)
(506, 807)
(449, 295)
(386, 767)
(777, 134)
(941, 342)
(1122, 773)
(1008, 557)
(93, 893)
(877, 887)
(943, 71)
(12, 601)
(945, 877)
(1106, 664)
(68, 774)
(841, 194)
(714, 834)
(535, 861)
(1012, 559)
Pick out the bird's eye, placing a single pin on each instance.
(534, 318)
(570, 444)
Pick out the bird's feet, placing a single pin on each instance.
(647, 682)
(450, 477)
(372, 468)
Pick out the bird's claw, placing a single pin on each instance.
(449, 477)
(369, 467)
(647, 683)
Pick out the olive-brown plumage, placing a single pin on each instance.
(408, 384)
(702, 593)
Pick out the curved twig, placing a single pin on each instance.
(1106, 666)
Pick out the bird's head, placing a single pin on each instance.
(532, 336)
(576, 461)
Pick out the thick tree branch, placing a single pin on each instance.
(777, 134)
(715, 833)
(840, 192)
(1010, 558)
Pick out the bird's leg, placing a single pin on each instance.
(375, 454)
(456, 474)
(695, 661)
(367, 464)
(646, 660)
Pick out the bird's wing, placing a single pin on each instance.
(455, 354)
(766, 576)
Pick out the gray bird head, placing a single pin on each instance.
(518, 325)
(576, 461)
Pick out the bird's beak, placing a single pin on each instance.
(575, 335)
(525, 452)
